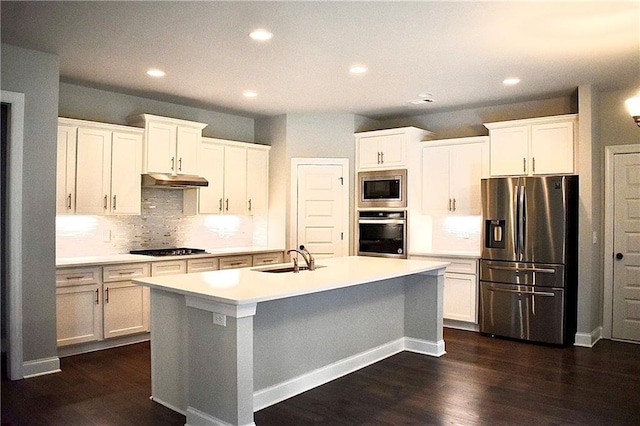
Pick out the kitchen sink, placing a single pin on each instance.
(283, 269)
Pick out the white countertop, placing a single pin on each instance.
(247, 285)
(135, 258)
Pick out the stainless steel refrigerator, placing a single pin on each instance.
(528, 269)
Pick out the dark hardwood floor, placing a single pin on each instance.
(480, 381)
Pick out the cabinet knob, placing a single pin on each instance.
(619, 256)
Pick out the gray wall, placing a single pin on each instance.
(36, 75)
(469, 122)
(109, 107)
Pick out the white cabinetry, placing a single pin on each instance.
(98, 168)
(78, 306)
(232, 262)
(535, 146)
(387, 149)
(170, 145)
(238, 175)
(126, 305)
(268, 258)
(451, 173)
(460, 299)
(100, 303)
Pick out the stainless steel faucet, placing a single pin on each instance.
(311, 262)
(308, 258)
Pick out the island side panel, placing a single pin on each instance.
(169, 350)
(299, 335)
(220, 369)
(423, 313)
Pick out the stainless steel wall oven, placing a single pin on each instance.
(382, 233)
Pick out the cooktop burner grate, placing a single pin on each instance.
(178, 251)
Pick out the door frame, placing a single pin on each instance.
(609, 198)
(293, 223)
(15, 141)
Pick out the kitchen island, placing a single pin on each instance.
(227, 343)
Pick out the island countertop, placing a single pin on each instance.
(250, 285)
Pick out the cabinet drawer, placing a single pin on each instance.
(267, 258)
(232, 262)
(202, 265)
(77, 276)
(169, 267)
(124, 272)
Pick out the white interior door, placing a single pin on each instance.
(626, 263)
(322, 206)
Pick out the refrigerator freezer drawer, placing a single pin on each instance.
(522, 312)
(538, 274)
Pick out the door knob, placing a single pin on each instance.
(619, 256)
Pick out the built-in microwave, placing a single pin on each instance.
(382, 188)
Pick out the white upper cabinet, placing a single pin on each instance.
(238, 176)
(387, 149)
(100, 168)
(66, 170)
(535, 146)
(170, 145)
(451, 174)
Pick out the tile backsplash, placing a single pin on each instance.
(161, 224)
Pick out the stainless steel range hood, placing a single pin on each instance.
(165, 180)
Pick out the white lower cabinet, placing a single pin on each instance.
(126, 305)
(202, 265)
(460, 299)
(90, 309)
(78, 314)
(268, 258)
(232, 262)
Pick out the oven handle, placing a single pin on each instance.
(381, 221)
(535, 293)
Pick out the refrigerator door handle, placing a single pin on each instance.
(534, 293)
(507, 268)
(521, 220)
(516, 207)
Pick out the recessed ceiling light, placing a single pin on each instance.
(155, 73)
(511, 81)
(358, 69)
(249, 93)
(260, 34)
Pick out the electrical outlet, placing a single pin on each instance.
(219, 319)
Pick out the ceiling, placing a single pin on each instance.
(458, 51)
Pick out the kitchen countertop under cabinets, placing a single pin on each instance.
(135, 258)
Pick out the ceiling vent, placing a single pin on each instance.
(423, 99)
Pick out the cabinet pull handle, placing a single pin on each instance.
(220, 206)
(97, 296)
(69, 201)
(173, 162)
(106, 295)
(227, 205)
(180, 164)
(378, 157)
(126, 272)
(533, 164)
(454, 204)
(75, 277)
(249, 204)
(382, 158)
(105, 202)
(114, 202)
(449, 204)
(524, 165)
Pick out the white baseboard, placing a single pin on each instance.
(277, 393)
(84, 348)
(196, 417)
(588, 340)
(424, 347)
(40, 367)
(169, 406)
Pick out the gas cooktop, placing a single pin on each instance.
(178, 251)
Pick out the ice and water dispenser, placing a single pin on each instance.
(494, 234)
